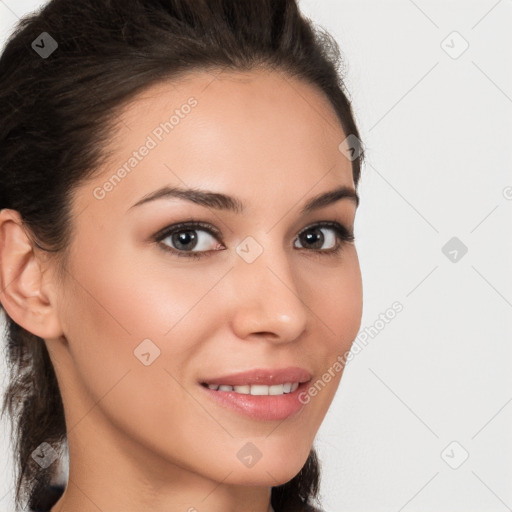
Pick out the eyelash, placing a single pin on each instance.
(344, 236)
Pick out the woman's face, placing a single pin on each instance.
(147, 320)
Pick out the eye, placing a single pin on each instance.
(184, 240)
(332, 234)
(198, 239)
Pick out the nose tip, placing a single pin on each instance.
(267, 302)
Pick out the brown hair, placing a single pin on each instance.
(56, 112)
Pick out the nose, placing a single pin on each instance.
(266, 299)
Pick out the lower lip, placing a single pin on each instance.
(260, 407)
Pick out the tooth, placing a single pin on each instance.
(259, 389)
(245, 390)
(277, 389)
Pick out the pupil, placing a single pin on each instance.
(313, 237)
(186, 237)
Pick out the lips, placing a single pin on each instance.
(263, 394)
(263, 376)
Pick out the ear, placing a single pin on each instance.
(22, 287)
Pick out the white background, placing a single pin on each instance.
(437, 129)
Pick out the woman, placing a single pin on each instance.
(178, 272)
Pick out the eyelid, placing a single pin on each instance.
(344, 234)
(191, 224)
(164, 232)
(340, 228)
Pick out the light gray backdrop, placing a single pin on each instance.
(423, 416)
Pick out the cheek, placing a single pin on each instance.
(122, 310)
(124, 291)
(338, 304)
(107, 316)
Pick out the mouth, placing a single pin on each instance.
(262, 394)
(255, 389)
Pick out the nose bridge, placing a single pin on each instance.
(267, 294)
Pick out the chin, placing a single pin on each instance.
(272, 470)
(265, 477)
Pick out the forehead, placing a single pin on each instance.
(226, 130)
(248, 90)
(219, 105)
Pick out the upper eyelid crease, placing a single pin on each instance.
(220, 201)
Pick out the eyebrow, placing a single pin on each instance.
(220, 201)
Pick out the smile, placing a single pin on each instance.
(257, 389)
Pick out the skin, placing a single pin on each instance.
(147, 437)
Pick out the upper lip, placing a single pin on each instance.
(263, 376)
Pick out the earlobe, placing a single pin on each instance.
(21, 280)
